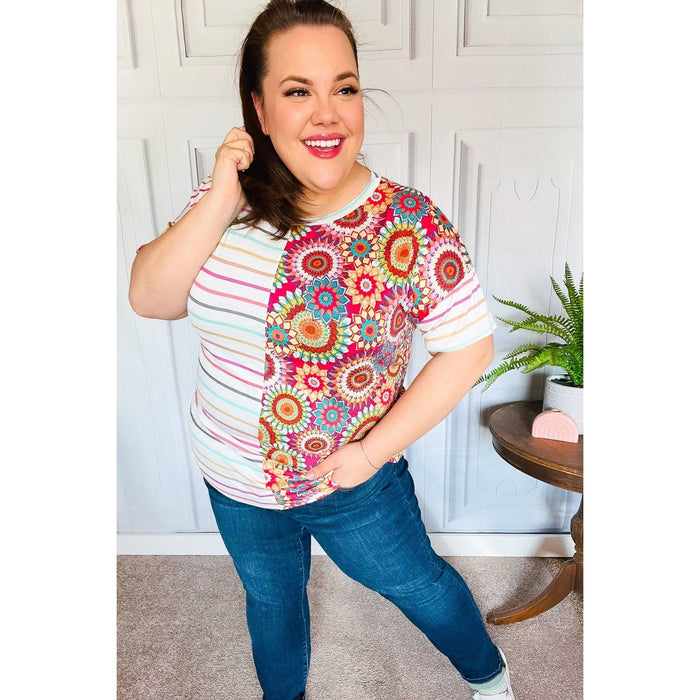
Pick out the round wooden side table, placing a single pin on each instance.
(554, 462)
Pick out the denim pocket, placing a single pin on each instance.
(374, 477)
(343, 489)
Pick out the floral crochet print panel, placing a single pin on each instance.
(347, 296)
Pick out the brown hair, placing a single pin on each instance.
(273, 193)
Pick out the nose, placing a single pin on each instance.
(324, 111)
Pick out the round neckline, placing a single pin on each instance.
(371, 185)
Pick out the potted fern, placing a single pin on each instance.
(562, 391)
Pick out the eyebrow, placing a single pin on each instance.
(306, 81)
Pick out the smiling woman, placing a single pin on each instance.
(305, 276)
(273, 192)
(311, 108)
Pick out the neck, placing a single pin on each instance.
(320, 204)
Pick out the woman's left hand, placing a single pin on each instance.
(348, 464)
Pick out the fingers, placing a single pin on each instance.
(321, 470)
(324, 476)
(233, 132)
(237, 147)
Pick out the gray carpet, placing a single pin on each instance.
(182, 634)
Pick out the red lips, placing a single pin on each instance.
(324, 145)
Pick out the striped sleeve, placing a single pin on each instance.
(459, 320)
(204, 187)
(450, 306)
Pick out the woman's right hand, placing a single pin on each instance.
(235, 154)
(165, 269)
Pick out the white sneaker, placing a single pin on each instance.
(506, 694)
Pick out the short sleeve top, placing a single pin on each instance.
(305, 341)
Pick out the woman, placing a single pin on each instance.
(305, 275)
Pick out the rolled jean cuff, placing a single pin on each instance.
(485, 682)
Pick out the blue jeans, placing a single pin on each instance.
(374, 533)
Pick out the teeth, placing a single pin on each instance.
(332, 143)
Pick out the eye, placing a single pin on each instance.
(348, 90)
(296, 92)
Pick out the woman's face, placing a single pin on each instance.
(312, 110)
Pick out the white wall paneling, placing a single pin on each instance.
(389, 154)
(125, 38)
(397, 136)
(394, 41)
(543, 26)
(194, 130)
(159, 487)
(509, 189)
(212, 30)
(504, 43)
(137, 71)
(201, 74)
(153, 478)
(143, 120)
(478, 104)
(197, 43)
(385, 28)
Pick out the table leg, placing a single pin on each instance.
(569, 578)
(577, 535)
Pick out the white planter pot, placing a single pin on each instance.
(568, 399)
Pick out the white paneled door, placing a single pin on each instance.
(476, 103)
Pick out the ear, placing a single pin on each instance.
(257, 102)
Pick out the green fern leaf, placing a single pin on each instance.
(568, 328)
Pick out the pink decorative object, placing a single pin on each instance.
(555, 425)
